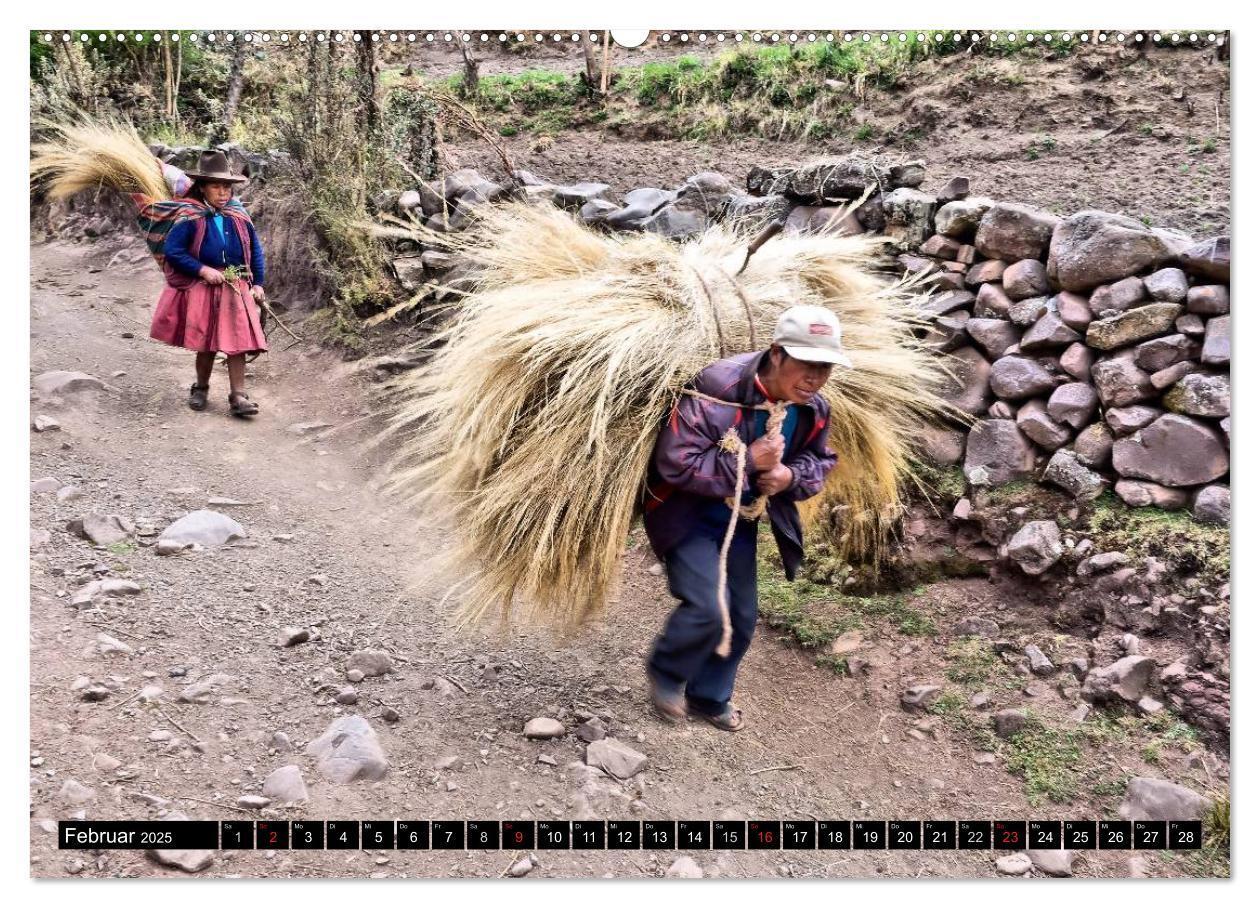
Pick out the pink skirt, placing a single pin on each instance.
(209, 319)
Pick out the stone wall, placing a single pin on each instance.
(1092, 351)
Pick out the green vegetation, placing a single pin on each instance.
(864, 133)
(1174, 537)
(1039, 147)
(813, 614)
(972, 661)
(1048, 759)
(122, 547)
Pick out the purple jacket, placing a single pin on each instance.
(689, 470)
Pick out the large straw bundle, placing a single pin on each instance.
(91, 155)
(531, 427)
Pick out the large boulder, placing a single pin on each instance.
(1036, 423)
(1174, 450)
(1159, 799)
(1069, 472)
(1127, 420)
(1049, 332)
(1036, 546)
(826, 219)
(1209, 259)
(61, 382)
(1093, 445)
(997, 449)
(961, 218)
(639, 205)
(1211, 505)
(1162, 352)
(1012, 232)
(1074, 403)
(1025, 278)
(994, 335)
(1199, 394)
(1120, 382)
(1208, 299)
(908, 217)
(1137, 493)
(1122, 295)
(967, 387)
(1216, 342)
(1125, 679)
(1094, 247)
(675, 222)
(941, 445)
(205, 527)
(1167, 285)
(1132, 326)
(1018, 378)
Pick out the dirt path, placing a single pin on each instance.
(325, 551)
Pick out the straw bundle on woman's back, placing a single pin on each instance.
(531, 428)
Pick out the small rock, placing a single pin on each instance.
(544, 727)
(285, 785)
(1036, 546)
(1053, 863)
(348, 750)
(371, 662)
(1037, 660)
(684, 868)
(1016, 864)
(919, 696)
(615, 758)
(1008, 722)
(292, 636)
(252, 802)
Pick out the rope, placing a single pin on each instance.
(731, 443)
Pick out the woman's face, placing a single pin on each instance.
(217, 194)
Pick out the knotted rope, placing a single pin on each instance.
(731, 443)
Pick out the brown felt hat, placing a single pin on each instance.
(213, 165)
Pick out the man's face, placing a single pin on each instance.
(796, 380)
(218, 194)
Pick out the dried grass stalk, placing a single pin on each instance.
(529, 430)
(89, 155)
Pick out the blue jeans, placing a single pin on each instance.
(683, 658)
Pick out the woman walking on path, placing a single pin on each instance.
(214, 270)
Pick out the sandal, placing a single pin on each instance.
(731, 719)
(668, 705)
(241, 404)
(198, 396)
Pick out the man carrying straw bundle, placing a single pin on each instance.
(755, 426)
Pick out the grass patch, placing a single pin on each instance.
(122, 547)
(945, 483)
(1185, 545)
(1049, 761)
(972, 661)
(814, 614)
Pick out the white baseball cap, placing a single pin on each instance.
(811, 334)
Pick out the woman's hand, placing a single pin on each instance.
(765, 452)
(774, 481)
(211, 276)
(260, 295)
